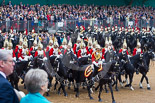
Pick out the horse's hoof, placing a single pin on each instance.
(116, 89)
(141, 87)
(76, 95)
(100, 100)
(137, 73)
(84, 88)
(58, 92)
(66, 95)
(132, 88)
(148, 88)
(127, 85)
(107, 91)
(96, 89)
(91, 98)
(113, 102)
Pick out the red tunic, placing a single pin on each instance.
(135, 51)
(82, 52)
(54, 52)
(38, 52)
(17, 48)
(122, 50)
(71, 50)
(94, 58)
(22, 53)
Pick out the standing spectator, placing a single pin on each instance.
(7, 93)
(36, 82)
(7, 23)
(35, 21)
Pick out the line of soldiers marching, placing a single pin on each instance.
(30, 45)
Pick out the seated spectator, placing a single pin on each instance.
(36, 82)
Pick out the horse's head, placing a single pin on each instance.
(116, 64)
(123, 56)
(40, 62)
(151, 54)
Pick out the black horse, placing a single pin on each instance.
(20, 70)
(144, 67)
(62, 72)
(128, 67)
(39, 63)
(78, 73)
(108, 78)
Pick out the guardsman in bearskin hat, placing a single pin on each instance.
(24, 53)
(83, 54)
(40, 52)
(64, 43)
(50, 46)
(124, 49)
(138, 49)
(55, 51)
(10, 49)
(97, 56)
(77, 45)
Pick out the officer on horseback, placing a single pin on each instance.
(97, 57)
(10, 49)
(124, 49)
(24, 53)
(83, 54)
(64, 44)
(34, 48)
(40, 52)
(77, 45)
(138, 49)
(55, 51)
(5, 44)
(50, 46)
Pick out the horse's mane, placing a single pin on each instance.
(135, 56)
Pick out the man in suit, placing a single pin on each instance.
(7, 93)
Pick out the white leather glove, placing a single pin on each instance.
(45, 58)
(96, 64)
(26, 58)
(14, 58)
(51, 55)
(129, 56)
(100, 62)
(71, 62)
(103, 60)
(20, 58)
